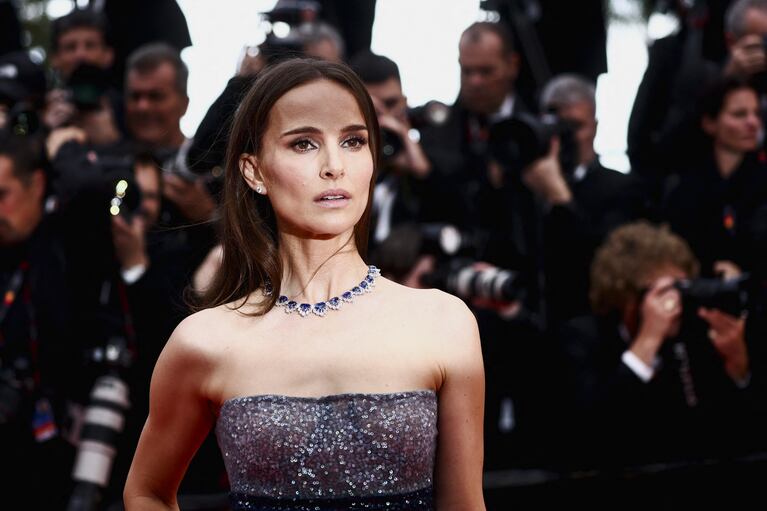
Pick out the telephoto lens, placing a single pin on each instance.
(103, 423)
(489, 283)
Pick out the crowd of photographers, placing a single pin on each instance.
(622, 315)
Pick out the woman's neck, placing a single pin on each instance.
(315, 270)
(727, 160)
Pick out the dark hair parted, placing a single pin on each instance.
(248, 225)
(630, 255)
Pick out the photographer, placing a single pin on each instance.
(653, 375)
(407, 190)
(78, 38)
(39, 346)
(601, 198)
(491, 200)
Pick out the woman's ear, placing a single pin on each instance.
(251, 173)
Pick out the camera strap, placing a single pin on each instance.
(43, 423)
(130, 330)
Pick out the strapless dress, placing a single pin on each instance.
(339, 452)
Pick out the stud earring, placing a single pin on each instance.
(259, 189)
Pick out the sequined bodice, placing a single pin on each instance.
(347, 451)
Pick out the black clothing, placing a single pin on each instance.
(617, 419)
(663, 131)
(209, 146)
(354, 21)
(133, 24)
(722, 219)
(145, 312)
(43, 358)
(10, 28)
(603, 199)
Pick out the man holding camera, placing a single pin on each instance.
(407, 190)
(77, 39)
(660, 372)
(600, 198)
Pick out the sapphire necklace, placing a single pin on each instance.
(335, 303)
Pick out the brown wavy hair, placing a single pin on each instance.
(249, 236)
(629, 255)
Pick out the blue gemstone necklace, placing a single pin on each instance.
(321, 308)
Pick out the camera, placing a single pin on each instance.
(459, 277)
(731, 296)
(103, 423)
(432, 113)
(20, 120)
(290, 13)
(86, 86)
(457, 252)
(517, 142)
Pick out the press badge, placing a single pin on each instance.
(43, 424)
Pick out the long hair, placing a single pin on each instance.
(249, 234)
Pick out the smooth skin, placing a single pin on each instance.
(394, 339)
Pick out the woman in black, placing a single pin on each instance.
(719, 206)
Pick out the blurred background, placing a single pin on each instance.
(589, 177)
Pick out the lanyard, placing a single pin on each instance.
(9, 298)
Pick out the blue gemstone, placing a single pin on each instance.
(291, 306)
(347, 296)
(282, 300)
(370, 279)
(304, 309)
(356, 291)
(334, 303)
(320, 308)
(364, 284)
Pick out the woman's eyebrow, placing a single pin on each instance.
(354, 127)
(312, 129)
(302, 129)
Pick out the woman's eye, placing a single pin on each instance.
(354, 142)
(303, 145)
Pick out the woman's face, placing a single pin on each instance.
(738, 125)
(315, 163)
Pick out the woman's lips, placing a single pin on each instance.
(337, 201)
(333, 198)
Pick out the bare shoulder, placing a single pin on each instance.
(197, 339)
(434, 310)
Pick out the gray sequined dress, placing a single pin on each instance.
(346, 451)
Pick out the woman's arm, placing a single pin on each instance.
(458, 478)
(179, 419)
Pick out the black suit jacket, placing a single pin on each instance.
(616, 418)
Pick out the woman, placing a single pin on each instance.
(720, 204)
(338, 409)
